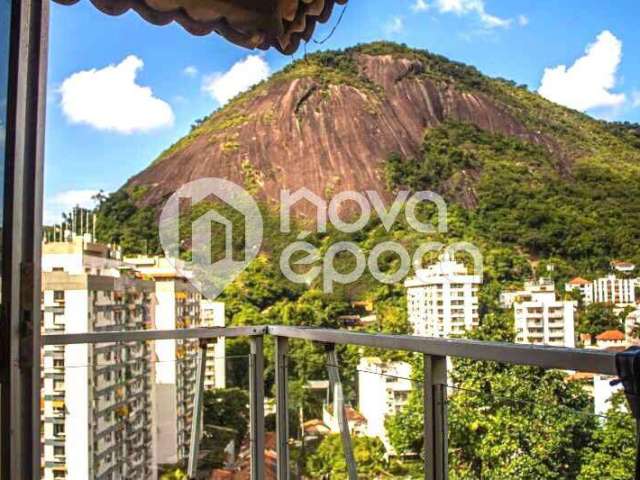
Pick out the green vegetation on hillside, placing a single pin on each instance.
(120, 221)
(521, 197)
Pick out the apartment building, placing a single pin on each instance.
(540, 318)
(617, 291)
(178, 306)
(383, 389)
(97, 401)
(212, 315)
(442, 300)
(609, 289)
(585, 287)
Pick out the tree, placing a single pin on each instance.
(612, 452)
(227, 407)
(226, 418)
(505, 421)
(597, 318)
(328, 460)
(518, 422)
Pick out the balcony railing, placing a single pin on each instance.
(435, 353)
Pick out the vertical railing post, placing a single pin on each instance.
(26, 32)
(338, 409)
(282, 408)
(256, 394)
(435, 418)
(196, 421)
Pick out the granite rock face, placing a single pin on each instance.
(328, 137)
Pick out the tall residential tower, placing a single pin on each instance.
(442, 300)
(97, 404)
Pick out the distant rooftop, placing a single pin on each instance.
(611, 336)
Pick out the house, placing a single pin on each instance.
(610, 338)
(357, 423)
(315, 428)
(622, 266)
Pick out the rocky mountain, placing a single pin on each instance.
(332, 121)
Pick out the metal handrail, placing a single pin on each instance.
(150, 335)
(435, 352)
(583, 360)
(547, 357)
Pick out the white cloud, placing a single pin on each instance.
(63, 202)
(523, 20)
(190, 71)
(110, 99)
(394, 26)
(635, 99)
(420, 6)
(587, 83)
(466, 7)
(240, 77)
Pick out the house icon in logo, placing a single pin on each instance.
(210, 276)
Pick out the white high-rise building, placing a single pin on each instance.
(542, 319)
(383, 389)
(97, 403)
(178, 306)
(619, 292)
(442, 300)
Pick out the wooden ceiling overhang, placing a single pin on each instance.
(263, 24)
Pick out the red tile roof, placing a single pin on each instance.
(611, 336)
(579, 281)
(353, 415)
(622, 264)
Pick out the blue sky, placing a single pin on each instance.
(121, 91)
